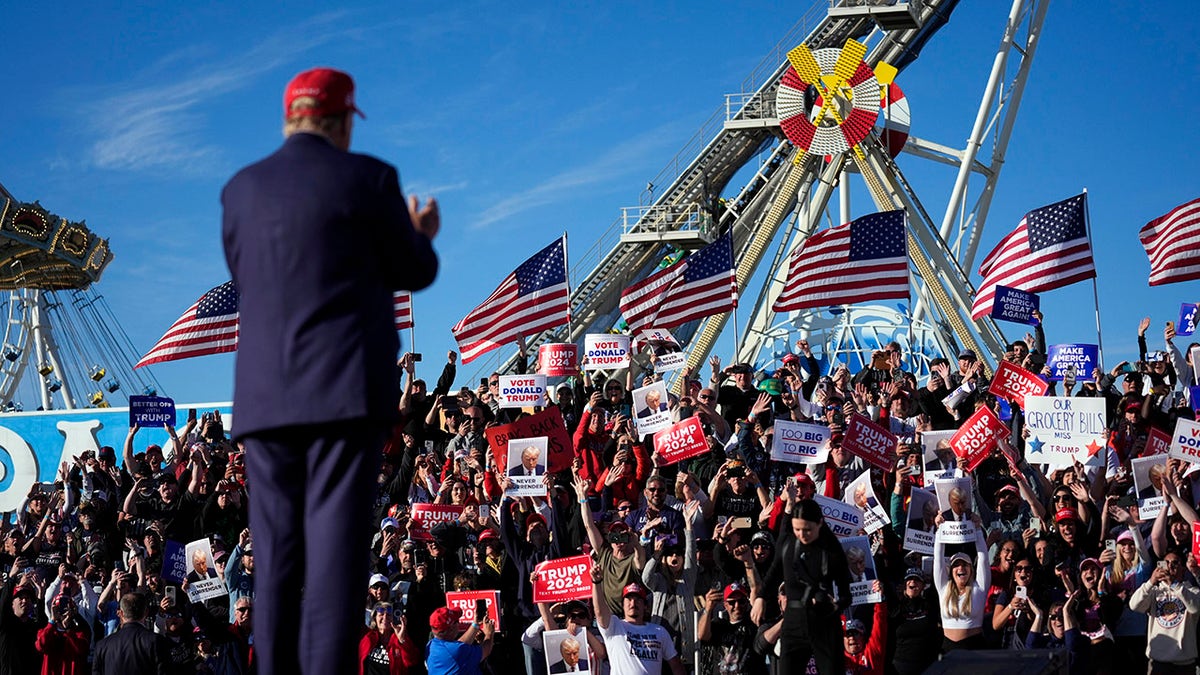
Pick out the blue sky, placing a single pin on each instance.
(529, 121)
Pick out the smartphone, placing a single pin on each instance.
(1171, 325)
(480, 609)
(1036, 523)
(1128, 368)
(742, 523)
(483, 382)
(484, 511)
(1022, 592)
(1110, 545)
(170, 593)
(416, 358)
(879, 361)
(1162, 564)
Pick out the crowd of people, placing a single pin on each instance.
(721, 563)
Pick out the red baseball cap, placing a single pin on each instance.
(735, 590)
(534, 519)
(444, 618)
(1065, 514)
(332, 90)
(634, 589)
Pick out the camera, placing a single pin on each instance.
(416, 358)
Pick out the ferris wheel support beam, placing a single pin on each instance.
(51, 346)
(39, 350)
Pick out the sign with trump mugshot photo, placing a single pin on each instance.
(651, 410)
(527, 467)
(202, 581)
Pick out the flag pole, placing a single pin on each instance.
(1087, 224)
(567, 276)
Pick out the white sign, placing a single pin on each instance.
(862, 570)
(1148, 476)
(522, 391)
(604, 351)
(956, 532)
(1064, 429)
(527, 467)
(943, 488)
(1185, 442)
(861, 494)
(922, 511)
(800, 443)
(668, 355)
(566, 653)
(651, 410)
(845, 520)
(932, 440)
(202, 581)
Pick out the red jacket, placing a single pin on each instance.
(590, 448)
(870, 660)
(63, 652)
(401, 655)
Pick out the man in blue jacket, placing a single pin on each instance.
(317, 239)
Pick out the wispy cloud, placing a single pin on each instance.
(156, 121)
(621, 161)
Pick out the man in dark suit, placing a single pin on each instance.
(133, 649)
(317, 239)
(654, 405)
(571, 663)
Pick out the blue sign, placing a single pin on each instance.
(34, 444)
(174, 561)
(1187, 319)
(1194, 397)
(1013, 304)
(149, 412)
(1084, 357)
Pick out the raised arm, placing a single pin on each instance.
(599, 602)
(585, 512)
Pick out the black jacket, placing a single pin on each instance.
(132, 650)
(17, 637)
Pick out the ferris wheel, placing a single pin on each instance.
(824, 109)
(63, 346)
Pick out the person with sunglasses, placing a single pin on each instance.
(1012, 617)
(916, 635)
(572, 616)
(730, 639)
(1057, 630)
(385, 649)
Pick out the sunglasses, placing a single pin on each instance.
(1056, 616)
(655, 489)
(381, 610)
(704, 397)
(494, 383)
(1022, 568)
(623, 508)
(1063, 498)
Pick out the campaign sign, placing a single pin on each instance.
(845, 520)
(668, 355)
(558, 359)
(1194, 352)
(174, 561)
(1013, 304)
(652, 414)
(1196, 540)
(1187, 319)
(566, 653)
(1015, 383)
(202, 581)
(1085, 358)
(876, 445)
(1185, 442)
(604, 352)
(799, 443)
(1158, 443)
(956, 532)
(944, 488)
(681, 440)
(976, 439)
(932, 441)
(425, 516)
(1063, 430)
(465, 601)
(522, 391)
(1148, 476)
(922, 511)
(526, 467)
(861, 494)
(862, 570)
(563, 579)
(548, 423)
(1194, 395)
(148, 412)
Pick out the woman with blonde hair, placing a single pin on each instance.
(962, 586)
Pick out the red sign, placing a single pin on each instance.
(976, 439)
(548, 423)
(1196, 540)
(1158, 443)
(558, 359)
(563, 579)
(465, 600)
(1015, 383)
(870, 441)
(426, 516)
(681, 440)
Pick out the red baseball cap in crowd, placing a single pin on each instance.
(444, 618)
(634, 589)
(803, 479)
(735, 590)
(534, 519)
(332, 90)
(1065, 514)
(488, 535)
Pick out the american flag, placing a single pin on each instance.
(865, 260)
(701, 285)
(1049, 249)
(210, 326)
(1172, 243)
(532, 299)
(402, 300)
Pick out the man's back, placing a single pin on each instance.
(317, 239)
(132, 650)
